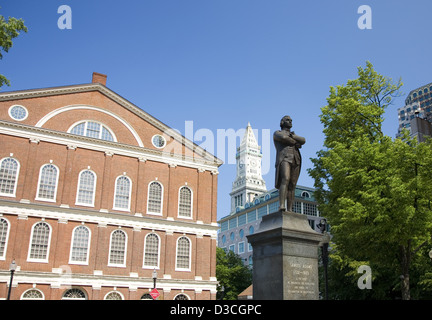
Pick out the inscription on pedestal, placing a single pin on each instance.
(300, 283)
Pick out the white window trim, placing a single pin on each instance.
(30, 243)
(7, 237)
(12, 195)
(105, 297)
(78, 188)
(78, 288)
(120, 265)
(129, 196)
(53, 113)
(22, 296)
(159, 247)
(178, 204)
(165, 142)
(190, 254)
(182, 293)
(162, 198)
(56, 184)
(86, 125)
(18, 105)
(88, 247)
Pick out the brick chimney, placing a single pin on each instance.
(99, 78)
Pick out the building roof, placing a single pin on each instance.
(246, 294)
(98, 86)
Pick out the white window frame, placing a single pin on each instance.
(158, 257)
(56, 183)
(116, 292)
(13, 194)
(17, 105)
(86, 126)
(120, 265)
(3, 257)
(88, 246)
(159, 136)
(32, 289)
(148, 197)
(93, 191)
(189, 255)
(75, 288)
(129, 195)
(31, 240)
(178, 205)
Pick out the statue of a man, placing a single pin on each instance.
(288, 162)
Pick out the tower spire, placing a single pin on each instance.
(248, 182)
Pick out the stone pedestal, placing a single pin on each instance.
(285, 258)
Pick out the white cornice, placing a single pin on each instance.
(64, 280)
(106, 218)
(68, 139)
(36, 93)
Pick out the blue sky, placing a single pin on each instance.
(223, 63)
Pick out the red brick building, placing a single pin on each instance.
(96, 194)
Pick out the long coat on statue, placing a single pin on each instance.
(287, 149)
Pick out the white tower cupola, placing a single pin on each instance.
(248, 182)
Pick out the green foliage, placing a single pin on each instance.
(9, 29)
(232, 274)
(374, 191)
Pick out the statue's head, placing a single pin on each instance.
(286, 122)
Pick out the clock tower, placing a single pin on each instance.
(248, 182)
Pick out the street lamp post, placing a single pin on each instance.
(323, 226)
(12, 268)
(154, 278)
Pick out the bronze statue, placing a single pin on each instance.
(288, 162)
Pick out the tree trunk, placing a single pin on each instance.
(405, 266)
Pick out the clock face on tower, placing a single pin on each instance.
(253, 163)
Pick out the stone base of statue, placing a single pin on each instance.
(285, 258)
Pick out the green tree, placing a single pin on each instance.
(9, 29)
(232, 275)
(374, 190)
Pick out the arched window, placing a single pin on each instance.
(117, 251)
(305, 194)
(86, 188)
(80, 245)
(9, 169)
(93, 129)
(47, 186)
(151, 251)
(251, 230)
(4, 235)
(183, 258)
(122, 193)
(185, 202)
(32, 294)
(114, 295)
(39, 244)
(146, 296)
(74, 294)
(155, 196)
(181, 296)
